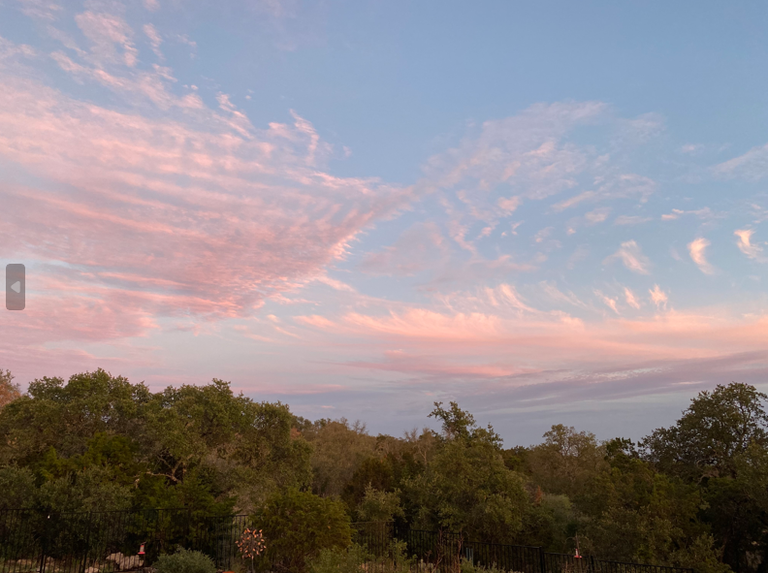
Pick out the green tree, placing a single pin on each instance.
(550, 522)
(339, 449)
(570, 463)
(713, 430)
(67, 416)
(18, 487)
(8, 390)
(298, 525)
(466, 486)
(200, 446)
(378, 505)
(458, 424)
(86, 490)
(720, 443)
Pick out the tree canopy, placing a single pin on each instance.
(693, 494)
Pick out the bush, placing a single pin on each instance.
(396, 560)
(468, 567)
(184, 561)
(357, 559)
(298, 526)
(339, 560)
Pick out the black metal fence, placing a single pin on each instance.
(444, 552)
(31, 541)
(375, 536)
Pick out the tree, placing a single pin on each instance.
(737, 509)
(198, 446)
(378, 505)
(716, 427)
(466, 487)
(339, 449)
(8, 390)
(67, 416)
(18, 487)
(85, 490)
(299, 525)
(570, 463)
(720, 444)
(458, 424)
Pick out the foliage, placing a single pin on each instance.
(467, 487)
(458, 424)
(339, 449)
(468, 567)
(300, 525)
(716, 427)
(568, 463)
(549, 522)
(195, 446)
(357, 559)
(18, 487)
(184, 561)
(335, 560)
(379, 505)
(8, 390)
(86, 490)
(694, 494)
(720, 444)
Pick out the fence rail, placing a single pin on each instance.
(101, 542)
(443, 548)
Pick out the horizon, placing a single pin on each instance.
(550, 214)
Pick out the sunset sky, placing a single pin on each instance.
(551, 212)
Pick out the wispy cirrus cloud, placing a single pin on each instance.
(199, 213)
(746, 246)
(703, 213)
(697, 250)
(659, 297)
(631, 220)
(632, 256)
(753, 165)
(463, 345)
(631, 299)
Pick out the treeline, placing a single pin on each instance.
(691, 495)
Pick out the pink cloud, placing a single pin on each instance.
(467, 347)
(194, 213)
(417, 249)
(697, 249)
(632, 256)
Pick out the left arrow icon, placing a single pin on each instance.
(15, 287)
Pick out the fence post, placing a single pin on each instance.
(44, 543)
(87, 542)
(186, 533)
(542, 561)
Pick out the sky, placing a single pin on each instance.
(549, 212)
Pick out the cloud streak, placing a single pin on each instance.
(199, 214)
(697, 249)
(746, 246)
(632, 256)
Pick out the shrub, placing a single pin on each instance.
(184, 561)
(299, 526)
(396, 560)
(336, 560)
(357, 559)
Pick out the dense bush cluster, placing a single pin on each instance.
(694, 494)
(183, 561)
